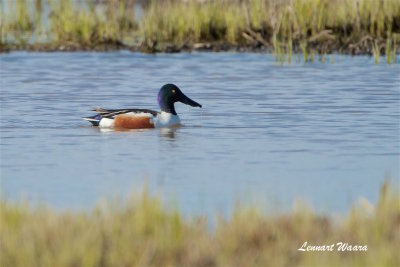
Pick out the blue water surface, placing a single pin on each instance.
(268, 133)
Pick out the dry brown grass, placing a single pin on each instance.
(141, 232)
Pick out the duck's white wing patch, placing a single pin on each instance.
(165, 119)
(139, 114)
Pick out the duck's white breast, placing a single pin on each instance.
(165, 119)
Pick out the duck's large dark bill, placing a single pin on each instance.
(186, 100)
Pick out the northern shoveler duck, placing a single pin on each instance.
(136, 118)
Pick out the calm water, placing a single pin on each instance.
(271, 134)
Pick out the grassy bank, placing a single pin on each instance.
(355, 26)
(143, 233)
(281, 26)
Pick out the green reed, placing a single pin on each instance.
(390, 50)
(376, 52)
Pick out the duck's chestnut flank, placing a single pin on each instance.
(133, 122)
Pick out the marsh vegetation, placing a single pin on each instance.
(141, 232)
(307, 27)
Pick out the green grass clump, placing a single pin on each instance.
(141, 232)
(83, 24)
(88, 26)
(193, 21)
(22, 21)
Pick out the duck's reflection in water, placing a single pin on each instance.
(165, 133)
(168, 133)
(120, 129)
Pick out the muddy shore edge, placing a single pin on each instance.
(363, 47)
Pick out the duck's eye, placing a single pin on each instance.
(173, 91)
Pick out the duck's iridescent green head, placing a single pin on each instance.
(169, 94)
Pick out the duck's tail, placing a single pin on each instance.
(94, 120)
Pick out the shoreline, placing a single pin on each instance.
(317, 49)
